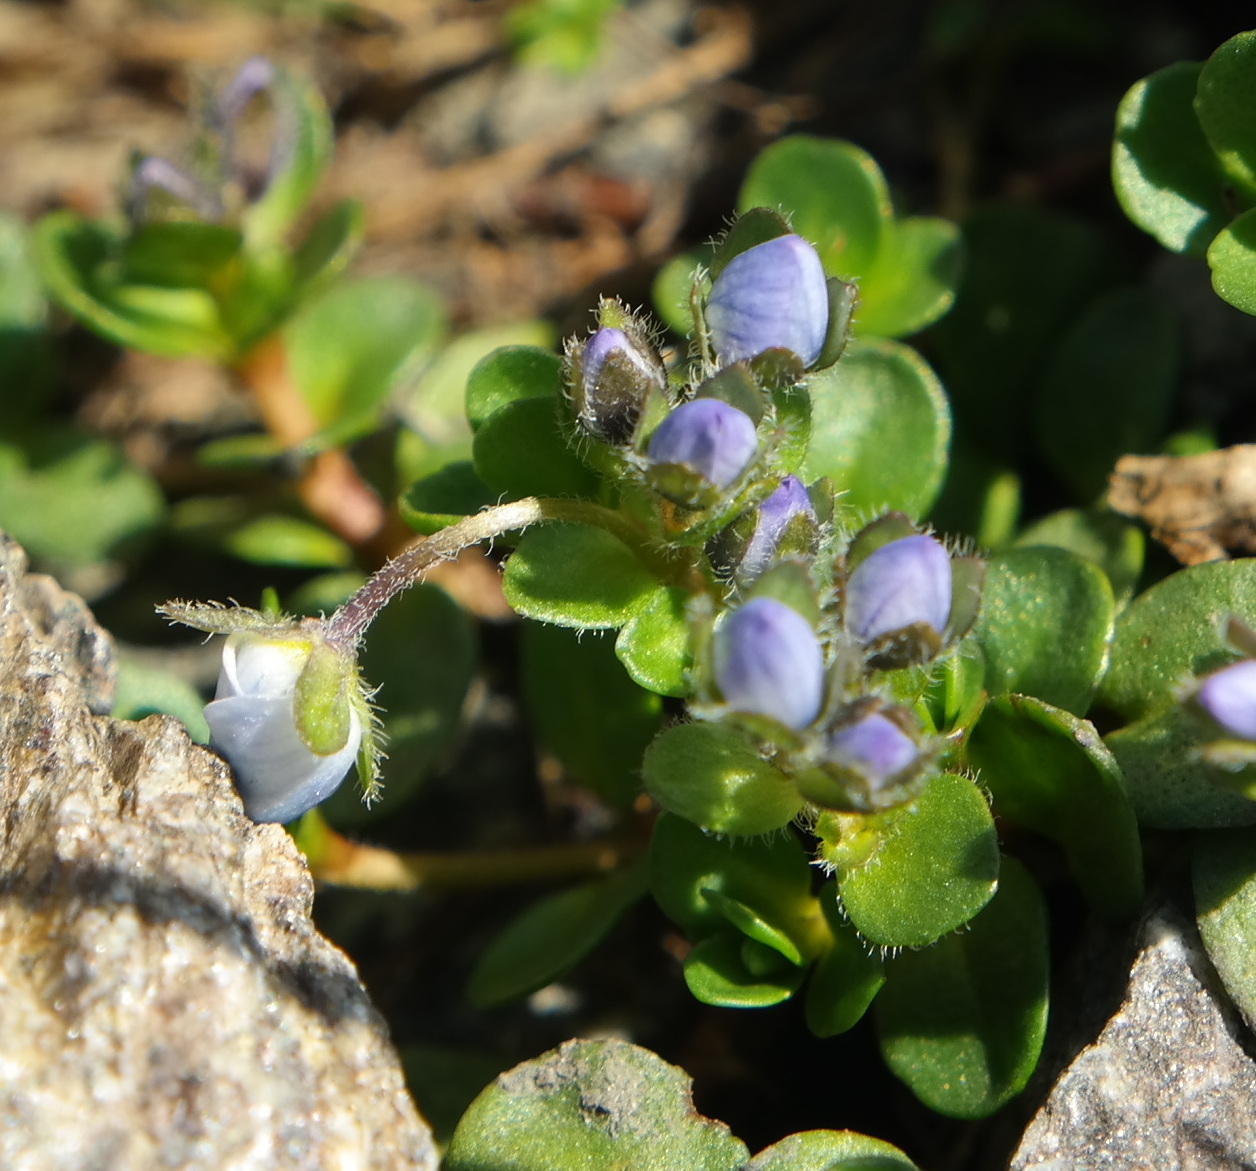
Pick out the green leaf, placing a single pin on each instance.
(833, 192)
(521, 451)
(422, 653)
(830, 1150)
(587, 711)
(74, 258)
(1224, 102)
(445, 497)
(1223, 867)
(1049, 771)
(730, 971)
(25, 352)
(881, 398)
(1112, 543)
(1173, 631)
(71, 500)
(692, 871)
(1045, 624)
(348, 348)
(962, 1022)
(591, 1106)
(1117, 367)
(913, 279)
(552, 936)
(143, 690)
(175, 253)
(847, 976)
(286, 540)
(328, 247)
(508, 374)
(933, 865)
(1232, 258)
(1167, 178)
(576, 575)
(304, 132)
(1026, 273)
(654, 645)
(713, 776)
(1169, 786)
(672, 285)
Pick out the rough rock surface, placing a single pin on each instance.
(1168, 1083)
(165, 1000)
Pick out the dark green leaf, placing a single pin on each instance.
(1224, 102)
(1224, 871)
(731, 971)
(445, 497)
(1112, 543)
(1049, 771)
(552, 936)
(934, 865)
(591, 1106)
(328, 246)
(1232, 258)
(712, 775)
(508, 374)
(521, 451)
(847, 976)
(576, 575)
(830, 1150)
(1045, 624)
(25, 353)
(586, 709)
(962, 1022)
(654, 643)
(143, 690)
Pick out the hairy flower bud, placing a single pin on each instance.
(608, 379)
(772, 295)
(1228, 696)
(873, 746)
(785, 521)
(700, 449)
(276, 694)
(901, 594)
(768, 662)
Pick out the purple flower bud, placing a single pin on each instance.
(709, 438)
(608, 380)
(786, 504)
(254, 76)
(773, 294)
(768, 662)
(873, 746)
(902, 583)
(158, 174)
(1229, 697)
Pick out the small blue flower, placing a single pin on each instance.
(899, 585)
(608, 380)
(782, 508)
(875, 747)
(771, 295)
(709, 438)
(768, 662)
(1229, 697)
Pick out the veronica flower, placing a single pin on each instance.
(608, 380)
(1228, 696)
(788, 506)
(708, 442)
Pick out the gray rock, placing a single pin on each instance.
(165, 1000)
(1166, 1085)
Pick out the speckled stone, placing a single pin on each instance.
(1168, 1084)
(165, 1000)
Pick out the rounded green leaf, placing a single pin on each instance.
(591, 1106)
(445, 497)
(507, 374)
(933, 866)
(1166, 176)
(1224, 102)
(287, 540)
(833, 192)
(143, 689)
(913, 279)
(962, 1022)
(712, 775)
(672, 286)
(1232, 258)
(1170, 787)
(1045, 624)
(770, 877)
(328, 246)
(576, 575)
(881, 398)
(830, 1150)
(1174, 631)
(1049, 771)
(731, 971)
(847, 975)
(347, 348)
(520, 450)
(586, 710)
(552, 936)
(1111, 542)
(1224, 872)
(654, 643)
(1117, 367)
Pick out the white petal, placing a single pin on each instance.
(265, 666)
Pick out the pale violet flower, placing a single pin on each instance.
(1229, 697)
